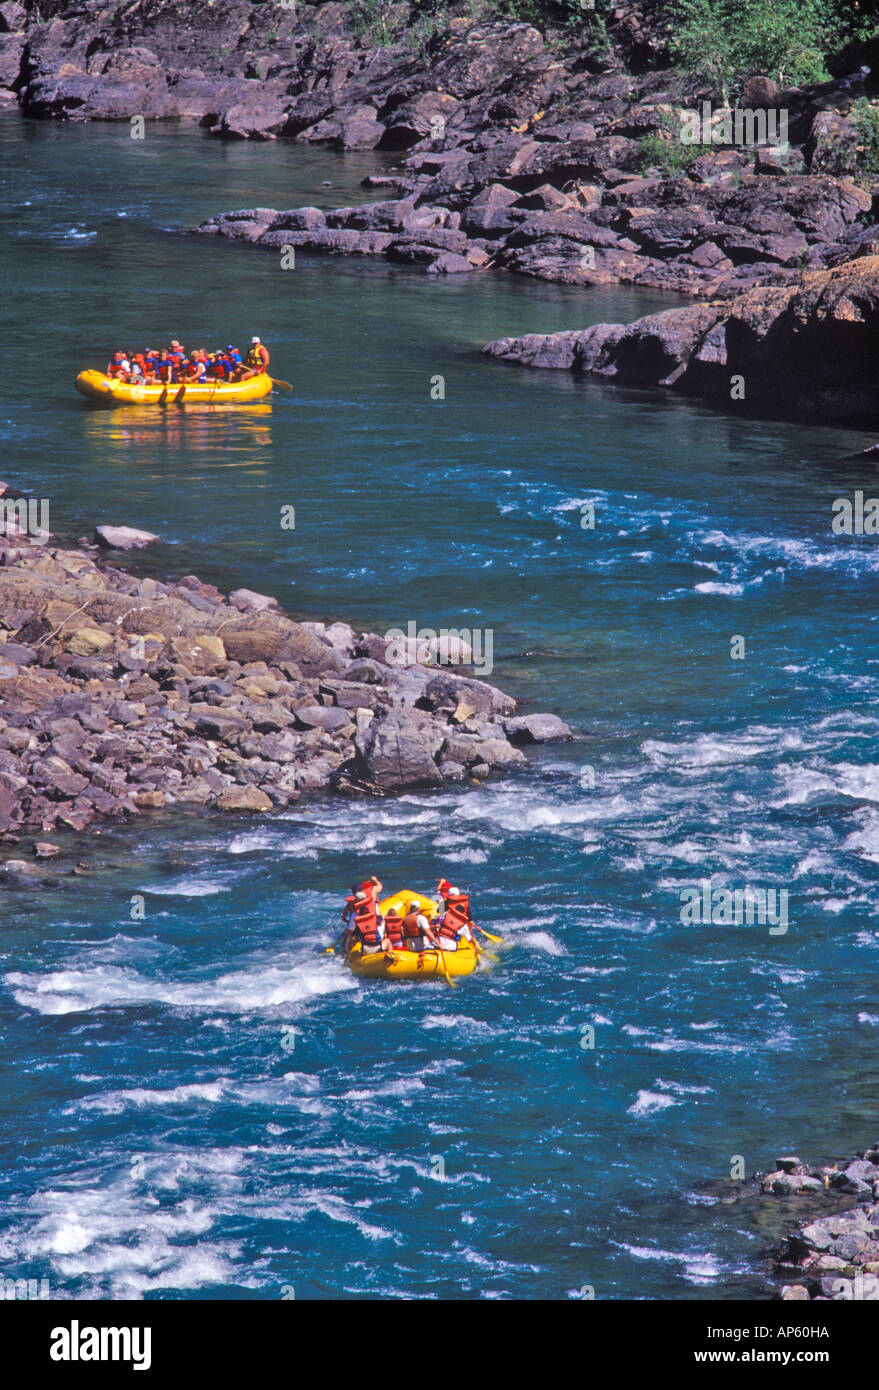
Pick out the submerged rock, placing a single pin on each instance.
(123, 537)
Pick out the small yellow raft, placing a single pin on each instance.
(109, 391)
(411, 965)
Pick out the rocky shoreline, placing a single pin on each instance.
(808, 349)
(123, 695)
(522, 150)
(834, 1256)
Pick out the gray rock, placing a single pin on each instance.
(394, 752)
(539, 728)
(247, 601)
(327, 717)
(123, 537)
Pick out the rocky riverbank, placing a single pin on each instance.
(808, 349)
(543, 153)
(833, 1256)
(123, 695)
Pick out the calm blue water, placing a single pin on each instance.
(164, 1132)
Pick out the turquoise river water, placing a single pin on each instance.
(200, 1104)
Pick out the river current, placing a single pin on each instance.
(197, 1103)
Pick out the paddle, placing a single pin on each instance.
(284, 385)
(328, 950)
(487, 933)
(442, 956)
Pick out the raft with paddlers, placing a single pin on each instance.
(402, 964)
(409, 936)
(107, 390)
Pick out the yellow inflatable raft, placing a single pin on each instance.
(99, 387)
(411, 965)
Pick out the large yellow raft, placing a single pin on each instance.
(109, 391)
(411, 965)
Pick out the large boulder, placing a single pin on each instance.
(394, 752)
(256, 113)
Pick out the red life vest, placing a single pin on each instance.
(366, 922)
(411, 928)
(394, 927)
(457, 914)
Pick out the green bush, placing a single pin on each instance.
(726, 41)
(381, 22)
(664, 150)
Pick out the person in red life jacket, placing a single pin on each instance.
(395, 939)
(177, 358)
(196, 368)
(119, 366)
(368, 927)
(151, 367)
(418, 934)
(138, 367)
(165, 367)
(455, 924)
(361, 906)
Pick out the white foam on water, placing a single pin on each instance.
(865, 841)
(335, 1208)
(458, 1022)
(649, 1103)
(263, 988)
(679, 1088)
(286, 1090)
(541, 941)
(797, 553)
(248, 843)
(868, 1018)
(188, 888)
(715, 587)
(698, 1267)
(113, 1233)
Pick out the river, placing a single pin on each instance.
(196, 1103)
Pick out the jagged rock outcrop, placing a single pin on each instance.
(807, 348)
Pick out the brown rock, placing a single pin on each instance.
(243, 799)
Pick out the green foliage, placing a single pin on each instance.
(726, 41)
(381, 22)
(428, 29)
(665, 151)
(865, 119)
(583, 20)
